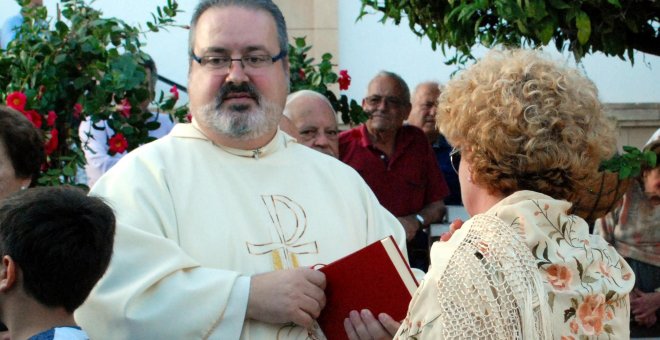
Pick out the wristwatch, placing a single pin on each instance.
(420, 219)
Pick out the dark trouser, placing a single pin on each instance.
(418, 250)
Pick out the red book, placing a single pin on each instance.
(376, 277)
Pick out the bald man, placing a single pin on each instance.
(315, 119)
(422, 115)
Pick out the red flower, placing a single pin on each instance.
(175, 92)
(77, 110)
(17, 100)
(118, 144)
(34, 117)
(51, 144)
(344, 80)
(301, 74)
(50, 121)
(124, 108)
(189, 116)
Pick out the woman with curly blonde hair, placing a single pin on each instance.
(530, 133)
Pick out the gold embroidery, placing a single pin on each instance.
(290, 222)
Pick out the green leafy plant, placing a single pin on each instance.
(306, 75)
(631, 163)
(613, 27)
(59, 71)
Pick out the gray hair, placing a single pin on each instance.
(264, 5)
(306, 93)
(398, 79)
(430, 83)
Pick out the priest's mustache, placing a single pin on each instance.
(231, 88)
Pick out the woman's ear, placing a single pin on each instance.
(7, 274)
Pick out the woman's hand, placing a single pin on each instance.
(363, 325)
(455, 225)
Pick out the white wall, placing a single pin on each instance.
(367, 47)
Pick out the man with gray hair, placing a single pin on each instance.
(220, 222)
(315, 120)
(397, 162)
(422, 115)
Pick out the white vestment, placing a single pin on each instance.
(196, 220)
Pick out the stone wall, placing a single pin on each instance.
(636, 122)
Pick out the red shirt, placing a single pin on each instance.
(405, 183)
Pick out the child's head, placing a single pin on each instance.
(59, 242)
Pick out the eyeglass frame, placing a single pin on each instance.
(390, 101)
(273, 60)
(455, 152)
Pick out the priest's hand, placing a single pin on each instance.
(364, 325)
(290, 295)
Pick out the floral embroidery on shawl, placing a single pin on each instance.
(584, 267)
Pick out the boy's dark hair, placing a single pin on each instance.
(23, 142)
(61, 240)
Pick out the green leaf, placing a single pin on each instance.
(68, 171)
(60, 58)
(589, 279)
(568, 313)
(579, 267)
(609, 295)
(615, 3)
(608, 329)
(583, 24)
(551, 300)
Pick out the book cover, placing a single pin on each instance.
(376, 277)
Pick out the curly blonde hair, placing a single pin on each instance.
(529, 123)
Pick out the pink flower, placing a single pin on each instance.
(52, 143)
(50, 120)
(626, 276)
(117, 143)
(567, 337)
(124, 108)
(77, 110)
(574, 326)
(175, 92)
(34, 117)
(559, 276)
(344, 80)
(591, 313)
(17, 100)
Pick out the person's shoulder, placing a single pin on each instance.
(61, 333)
(413, 132)
(351, 135)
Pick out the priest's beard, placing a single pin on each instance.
(241, 121)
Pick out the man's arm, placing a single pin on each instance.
(431, 213)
